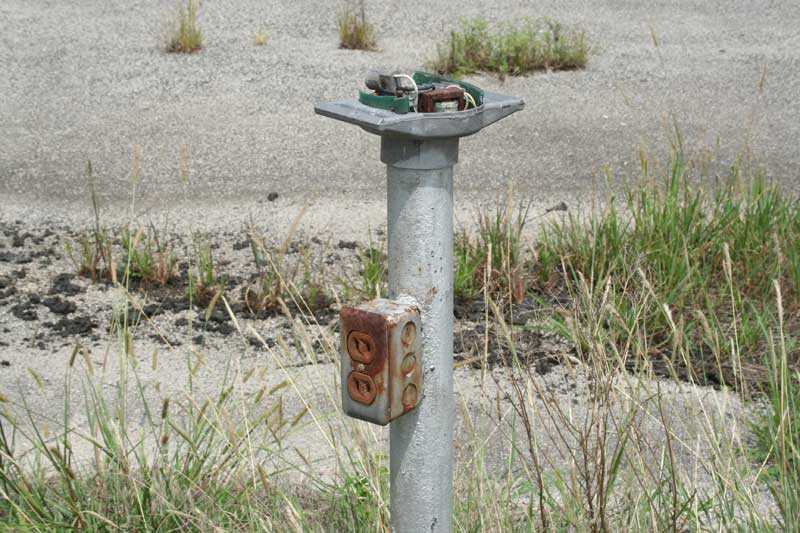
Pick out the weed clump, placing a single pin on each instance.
(261, 38)
(280, 281)
(541, 44)
(205, 285)
(355, 33)
(149, 259)
(186, 37)
(777, 429)
(92, 254)
(496, 258)
(696, 266)
(373, 270)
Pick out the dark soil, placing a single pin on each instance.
(254, 342)
(62, 284)
(218, 322)
(76, 326)
(25, 311)
(165, 339)
(530, 348)
(10, 257)
(64, 295)
(7, 288)
(26, 245)
(347, 245)
(59, 306)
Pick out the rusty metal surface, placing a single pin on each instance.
(361, 387)
(427, 100)
(380, 348)
(360, 347)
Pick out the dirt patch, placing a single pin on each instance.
(62, 284)
(59, 306)
(218, 322)
(75, 326)
(25, 311)
(7, 288)
(11, 257)
(166, 340)
(347, 245)
(256, 343)
(528, 346)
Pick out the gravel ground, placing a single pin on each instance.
(87, 80)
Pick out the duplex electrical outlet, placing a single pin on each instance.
(381, 349)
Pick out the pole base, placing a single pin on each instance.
(415, 154)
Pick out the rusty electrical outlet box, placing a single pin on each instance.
(381, 360)
(427, 100)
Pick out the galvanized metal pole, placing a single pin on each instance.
(420, 242)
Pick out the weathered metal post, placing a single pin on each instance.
(387, 374)
(420, 233)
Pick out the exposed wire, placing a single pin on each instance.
(416, 89)
(468, 97)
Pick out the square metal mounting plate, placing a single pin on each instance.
(422, 125)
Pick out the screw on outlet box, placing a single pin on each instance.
(419, 145)
(381, 378)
